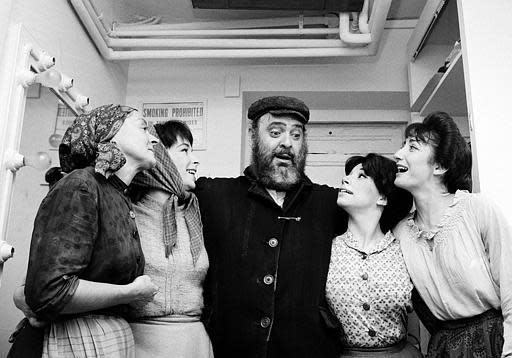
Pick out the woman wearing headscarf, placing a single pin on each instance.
(85, 259)
(169, 222)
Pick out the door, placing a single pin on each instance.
(331, 144)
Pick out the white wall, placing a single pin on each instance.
(5, 9)
(488, 75)
(27, 194)
(56, 29)
(181, 81)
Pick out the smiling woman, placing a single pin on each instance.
(456, 245)
(167, 215)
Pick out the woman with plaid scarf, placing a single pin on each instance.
(169, 223)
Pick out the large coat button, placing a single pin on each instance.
(265, 322)
(268, 279)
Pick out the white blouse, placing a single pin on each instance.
(463, 267)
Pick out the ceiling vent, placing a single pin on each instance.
(300, 5)
(342, 33)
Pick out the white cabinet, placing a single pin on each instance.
(435, 84)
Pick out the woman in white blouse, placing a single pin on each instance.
(456, 245)
(368, 287)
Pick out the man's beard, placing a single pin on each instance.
(278, 176)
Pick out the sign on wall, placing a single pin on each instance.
(63, 120)
(192, 113)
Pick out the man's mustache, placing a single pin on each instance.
(284, 153)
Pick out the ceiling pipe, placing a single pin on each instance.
(376, 23)
(100, 37)
(92, 14)
(364, 26)
(223, 43)
(149, 31)
(238, 53)
(205, 43)
(349, 37)
(92, 29)
(230, 24)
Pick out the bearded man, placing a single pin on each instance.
(268, 235)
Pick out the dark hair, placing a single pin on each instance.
(383, 172)
(450, 149)
(169, 132)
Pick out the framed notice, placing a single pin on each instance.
(63, 120)
(192, 113)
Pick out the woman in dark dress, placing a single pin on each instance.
(85, 258)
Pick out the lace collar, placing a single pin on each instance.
(447, 217)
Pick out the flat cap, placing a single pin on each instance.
(279, 105)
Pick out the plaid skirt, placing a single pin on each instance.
(89, 336)
(480, 336)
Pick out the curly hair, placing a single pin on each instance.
(450, 149)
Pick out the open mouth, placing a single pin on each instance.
(284, 156)
(192, 171)
(402, 169)
(346, 191)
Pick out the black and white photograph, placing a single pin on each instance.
(255, 179)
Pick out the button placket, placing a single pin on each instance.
(366, 295)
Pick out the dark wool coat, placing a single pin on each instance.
(265, 291)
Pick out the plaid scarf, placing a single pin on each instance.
(165, 176)
(87, 140)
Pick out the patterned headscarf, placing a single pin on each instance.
(165, 176)
(87, 140)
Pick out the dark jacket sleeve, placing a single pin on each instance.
(64, 233)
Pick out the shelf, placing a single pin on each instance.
(426, 92)
(431, 42)
(449, 94)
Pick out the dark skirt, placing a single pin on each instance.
(478, 336)
(27, 341)
(403, 349)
